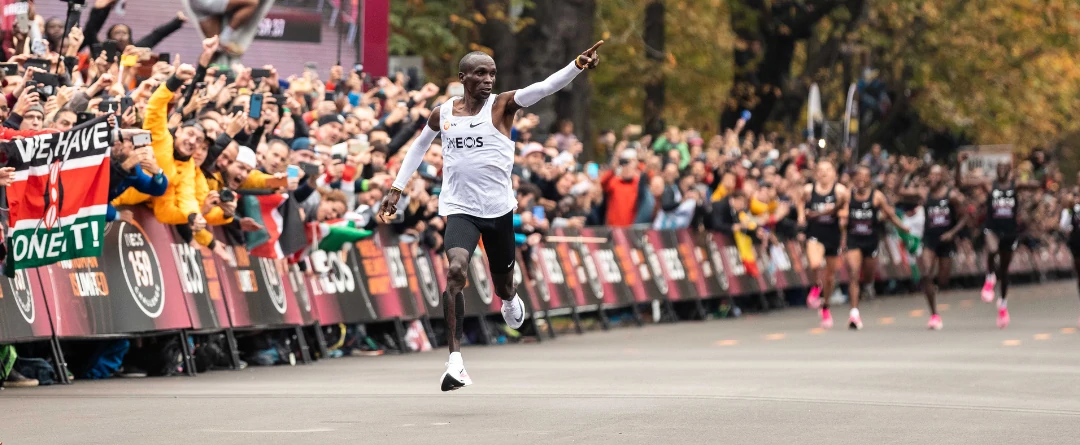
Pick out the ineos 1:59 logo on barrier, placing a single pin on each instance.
(191, 272)
(274, 285)
(425, 273)
(480, 273)
(20, 288)
(142, 271)
(334, 276)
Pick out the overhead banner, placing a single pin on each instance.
(23, 315)
(131, 288)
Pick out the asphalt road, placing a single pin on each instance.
(765, 379)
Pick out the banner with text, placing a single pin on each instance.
(60, 194)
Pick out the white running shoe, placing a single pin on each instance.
(513, 312)
(455, 377)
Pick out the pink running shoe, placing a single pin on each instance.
(935, 323)
(826, 319)
(988, 288)
(813, 299)
(1003, 318)
(855, 322)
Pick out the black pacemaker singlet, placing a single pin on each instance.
(862, 219)
(1074, 236)
(826, 226)
(1001, 209)
(940, 216)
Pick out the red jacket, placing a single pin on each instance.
(7, 134)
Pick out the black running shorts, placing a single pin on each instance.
(465, 231)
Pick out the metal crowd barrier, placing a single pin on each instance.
(148, 281)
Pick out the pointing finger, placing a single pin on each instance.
(594, 47)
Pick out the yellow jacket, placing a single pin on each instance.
(216, 216)
(179, 199)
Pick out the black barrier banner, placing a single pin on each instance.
(430, 293)
(645, 260)
(380, 266)
(739, 280)
(635, 273)
(335, 289)
(308, 311)
(699, 265)
(23, 315)
(551, 279)
(479, 291)
(576, 252)
(526, 285)
(680, 270)
(132, 287)
(202, 288)
(799, 263)
(258, 290)
(403, 270)
(607, 281)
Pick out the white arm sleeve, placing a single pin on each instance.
(530, 95)
(414, 156)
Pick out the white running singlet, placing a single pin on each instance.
(477, 160)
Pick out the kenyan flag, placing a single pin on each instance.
(59, 196)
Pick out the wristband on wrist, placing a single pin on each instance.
(578, 64)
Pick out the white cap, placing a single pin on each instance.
(530, 148)
(246, 157)
(629, 154)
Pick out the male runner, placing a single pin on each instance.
(1000, 230)
(477, 197)
(1070, 222)
(824, 214)
(944, 219)
(864, 236)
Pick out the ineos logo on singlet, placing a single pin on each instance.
(1003, 203)
(466, 142)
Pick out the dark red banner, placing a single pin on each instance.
(23, 314)
(259, 291)
(202, 285)
(132, 287)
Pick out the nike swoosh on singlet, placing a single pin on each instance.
(475, 125)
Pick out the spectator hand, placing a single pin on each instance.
(229, 208)
(534, 239)
(149, 162)
(26, 100)
(7, 176)
(134, 158)
(235, 122)
(126, 216)
(185, 72)
(74, 42)
(249, 225)
(213, 199)
(222, 251)
(130, 117)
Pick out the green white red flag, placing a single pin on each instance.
(60, 195)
